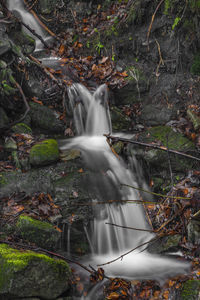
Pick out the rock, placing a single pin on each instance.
(45, 118)
(158, 159)
(165, 244)
(190, 290)
(4, 121)
(156, 114)
(120, 122)
(193, 231)
(24, 41)
(5, 46)
(44, 153)
(10, 144)
(21, 128)
(41, 233)
(70, 154)
(194, 119)
(29, 274)
(47, 6)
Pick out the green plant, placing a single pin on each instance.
(99, 47)
(195, 68)
(176, 21)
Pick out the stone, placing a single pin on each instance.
(41, 233)
(120, 122)
(165, 244)
(193, 231)
(29, 274)
(70, 154)
(21, 128)
(4, 121)
(45, 118)
(44, 153)
(158, 114)
(5, 46)
(24, 41)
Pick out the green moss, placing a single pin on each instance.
(170, 138)
(190, 290)
(39, 232)
(13, 261)
(21, 128)
(195, 68)
(3, 180)
(44, 153)
(35, 223)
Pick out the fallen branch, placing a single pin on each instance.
(124, 140)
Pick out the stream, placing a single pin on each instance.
(108, 242)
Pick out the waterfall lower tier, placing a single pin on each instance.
(108, 173)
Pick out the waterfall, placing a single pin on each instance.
(108, 173)
(17, 7)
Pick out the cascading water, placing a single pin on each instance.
(108, 173)
(17, 6)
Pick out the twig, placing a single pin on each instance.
(153, 193)
(116, 139)
(128, 252)
(169, 161)
(152, 20)
(132, 228)
(117, 201)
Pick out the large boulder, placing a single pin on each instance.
(29, 274)
(45, 118)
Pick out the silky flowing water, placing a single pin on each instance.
(108, 173)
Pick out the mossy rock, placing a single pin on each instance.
(168, 138)
(4, 121)
(41, 233)
(195, 68)
(190, 290)
(44, 153)
(29, 274)
(21, 128)
(25, 41)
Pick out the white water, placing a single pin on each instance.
(108, 172)
(28, 19)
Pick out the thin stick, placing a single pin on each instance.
(128, 252)
(152, 20)
(116, 139)
(152, 193)
(132, 228)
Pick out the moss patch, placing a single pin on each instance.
(44, 153)
(190, 290)
(41, 233)
(195, 68)
(21, 128)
